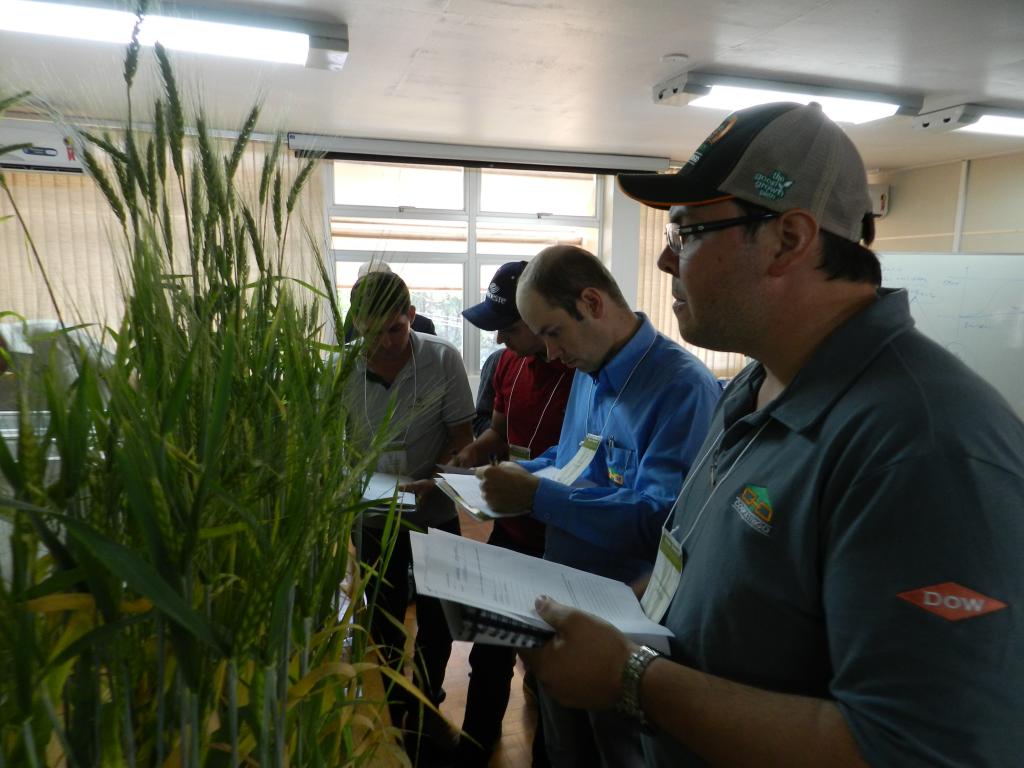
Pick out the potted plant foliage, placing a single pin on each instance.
(172, 596)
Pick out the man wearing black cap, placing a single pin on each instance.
(530, 393)
(843, 564)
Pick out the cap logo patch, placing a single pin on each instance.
(721, 130)
(715, 136)
(773, 186)
(492, 294)
(952, 601)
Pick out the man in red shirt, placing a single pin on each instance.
(530, 394)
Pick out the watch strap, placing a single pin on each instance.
(633, 671)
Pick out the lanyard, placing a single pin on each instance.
(693, 473)
(508, 416)
(415, 387)
(615, 402)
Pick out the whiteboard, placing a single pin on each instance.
(972, 304)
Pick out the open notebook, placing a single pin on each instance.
(488, 592)
(383, 487)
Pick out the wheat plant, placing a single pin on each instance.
(174, 592)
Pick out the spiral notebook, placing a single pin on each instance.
(478, 625)
(488, 592)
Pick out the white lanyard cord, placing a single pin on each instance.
(415, 394)
(615, 402)
(508, 416)
(693, 473)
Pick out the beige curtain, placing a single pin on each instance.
(82, 250)
(654, 294)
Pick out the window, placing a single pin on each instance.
(445, 230)
(387, 235)
(553, 194)
(435, 290)
(399, 185)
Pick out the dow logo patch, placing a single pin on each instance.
(755, 508)
(952, 601)
(772, 186)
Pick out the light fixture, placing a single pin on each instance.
(190, 29)
(972, 118)
(999, 125)
(730, 93)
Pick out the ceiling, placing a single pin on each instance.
(575, 74)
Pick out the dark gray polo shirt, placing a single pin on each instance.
(866, 547)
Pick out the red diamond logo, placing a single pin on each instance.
(951, 601)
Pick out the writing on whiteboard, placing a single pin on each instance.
(972, 304)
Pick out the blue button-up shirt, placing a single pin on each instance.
(665, 398)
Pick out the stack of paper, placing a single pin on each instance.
(492, 580)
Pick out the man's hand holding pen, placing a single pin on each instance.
(507, 487)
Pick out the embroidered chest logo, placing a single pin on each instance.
(952, 601)
(774, 186)
(755, 508)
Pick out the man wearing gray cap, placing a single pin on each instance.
(842, 568)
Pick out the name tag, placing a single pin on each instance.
(668, 568)
(570, 473)
(393, 460)
(518, 452)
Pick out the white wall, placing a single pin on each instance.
(972, 206)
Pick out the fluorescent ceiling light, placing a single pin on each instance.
(216, 37)
(842, 110)
(996, 124)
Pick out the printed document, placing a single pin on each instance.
(491, 578)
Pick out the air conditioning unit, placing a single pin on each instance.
(51, 147)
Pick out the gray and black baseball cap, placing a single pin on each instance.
(779, 156)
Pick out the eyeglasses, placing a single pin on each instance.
(676, 234)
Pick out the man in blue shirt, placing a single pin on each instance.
(640, 406)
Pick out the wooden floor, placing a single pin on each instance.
(514, 749)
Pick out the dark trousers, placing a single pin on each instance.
(490, 678)
(433, 644)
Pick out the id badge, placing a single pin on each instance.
(570, 473)
(667, 570)
(393, 460)
(518, 452)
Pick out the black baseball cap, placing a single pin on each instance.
(779, 156)
(498, 309)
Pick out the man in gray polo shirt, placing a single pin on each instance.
(843, 566)
(421, 381)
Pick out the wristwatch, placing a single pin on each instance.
(629, 698)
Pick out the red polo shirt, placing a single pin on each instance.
(532, 394)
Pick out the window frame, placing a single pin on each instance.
(471, 261)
